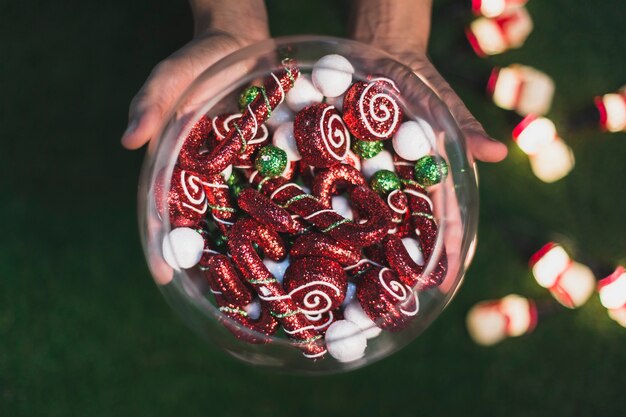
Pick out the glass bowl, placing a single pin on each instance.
(205, 233)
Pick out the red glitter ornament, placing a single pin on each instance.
(371, 110)
(233, 297)
(246, 128)
(185, 202)
(241, 239)
(319, 244)
(265, 211)
(389, 302)
(224, 123)
(218, 197)
(195, 142)
(317, 285)
(321, 135)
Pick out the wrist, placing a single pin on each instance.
(393, 25)
(243, 19)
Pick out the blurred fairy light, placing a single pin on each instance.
(534, 133)
(612, 290)
(494, 8)
(612, 110)
(490, 322)
(492, 36)
(618, 314)
(570, 283)
(522, 89)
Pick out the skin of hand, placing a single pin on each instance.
(221, 27)
(402, 27)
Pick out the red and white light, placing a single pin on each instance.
(534, 133)
(522, 89)
(612, 110)
(492, 36)
(612, 290)
(494, 8)
(490, 322)
(570, 283)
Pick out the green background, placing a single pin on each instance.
(84, 331)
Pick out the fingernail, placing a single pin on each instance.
(130, 129)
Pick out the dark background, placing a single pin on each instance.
(84, 331)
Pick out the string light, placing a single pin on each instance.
(612, 290)
(494, 8)
(612, 110)
(490, 322)
(534, 133)
(521, 88)
(570, 283)
(492, 36)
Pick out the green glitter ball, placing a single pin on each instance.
(271, 161)
(247, 96)
(367, 149)
(385, 181)
(430, 170)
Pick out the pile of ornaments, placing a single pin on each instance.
(308, 212)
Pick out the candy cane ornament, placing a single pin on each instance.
(233, 298)
(246, 127)
(219, 201)
(241, 239)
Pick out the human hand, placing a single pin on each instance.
(401, 28)
(221, 27)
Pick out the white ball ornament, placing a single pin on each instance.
(182, 248)
(345, 341)
(285, 140)
(254, 309)
(332, 75)
(280, 115)
(302, 94)
(355, 314)
(383, 160)
(341, 205)
(413, 140)
(412, 246)
(277, 268)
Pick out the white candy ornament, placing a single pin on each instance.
(182, 248)
(355, 314)
(303, 94)
(414, 139)
(345, 341)
(285, 140)
(383, 160)
(412, 246)
(332, 75)
(281, 114)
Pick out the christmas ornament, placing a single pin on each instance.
(414, 139)
(271, 161)
(332, 75)
(303, 94)
(367, 149)
(182, 248)
(384, 181)
(430, 170)
(345, 341)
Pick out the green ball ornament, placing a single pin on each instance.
(385, 181)
(367, 149)
(430, 170)
(247, 96)
(271, 161)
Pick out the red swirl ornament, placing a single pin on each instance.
(224, 123)
(233, 296)
(371, 110)
(399, 205)
(316, 285)
(321, 135)
(246, 128)
(241, 239)
(185, 201)
(388, 301)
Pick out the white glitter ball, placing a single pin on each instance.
(345, 341)
(413, 140)
(332, 75)
(182, 248)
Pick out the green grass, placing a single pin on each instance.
(84, 331)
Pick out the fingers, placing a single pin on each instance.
(165, 84)
(480, 144)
